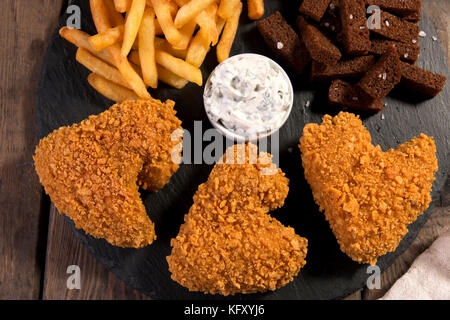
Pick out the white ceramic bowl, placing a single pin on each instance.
(230, 134)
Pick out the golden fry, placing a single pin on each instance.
(158, 29)
(255, 9)
(220, 23)
(147, 48)
(122, 5)
(190, 10)
(107, 38)
(166, 22)
(115, 17)
(100, 15)
(173, 7)
(181, 3)
(164, 75)
(163, 45)
(134, 58)
(99, 67)
(186, 35)
(207, 21)
(111, 90)
(170, 78)
(179, 67)
(132, 25)
(128, 72)
(227, 8)
(160, 44)
(198, 48)
(229, 32)
(81, 40)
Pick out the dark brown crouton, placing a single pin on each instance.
(399, 7)
(356, 36)
(421, 80)
(394, 28)
(413, 17)
(319, 46)
(383, 76)
(349, 68)
(314, 8)
(284, 42)
(408, 52)
(344, 94)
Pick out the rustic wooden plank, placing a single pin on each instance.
(354, 296)
(63, 250)
(25, 30)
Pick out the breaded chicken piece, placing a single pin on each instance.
(228, 243)
(92, 170)
(369, 197)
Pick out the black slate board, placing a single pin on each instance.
(64, 97)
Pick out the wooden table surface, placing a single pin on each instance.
(36, 245)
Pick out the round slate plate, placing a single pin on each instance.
(64, 97)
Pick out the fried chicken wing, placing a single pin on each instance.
(369, 197)
(228, 243)
(92, 170)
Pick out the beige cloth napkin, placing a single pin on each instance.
(429, 276)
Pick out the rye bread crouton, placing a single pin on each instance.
(284, 42)
(383, 76)
(421, 80)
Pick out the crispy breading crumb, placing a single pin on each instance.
(369, 197)
(92, 170)
(228, 243)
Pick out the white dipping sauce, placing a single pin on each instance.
(249, 95)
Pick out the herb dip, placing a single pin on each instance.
(248, 94)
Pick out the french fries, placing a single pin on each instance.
(127, 55)
(134, 17)
(158, 29)
(115, 17)
(227, 8)
(164, 75)
(190, 10)
(81, 40)
(100, 15)
(229, 32)
(147, 48)
(207, 21)
(163, 45)
(179, 67)
(220, 24)
(122, 5)
(128, 72)
(198, 48)
(171, 78)
(255, 9)
(162, 10)
(134, 58)
(173, 7)
(110, 90)
(101, 68)
(107, 38)
(186, 35)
